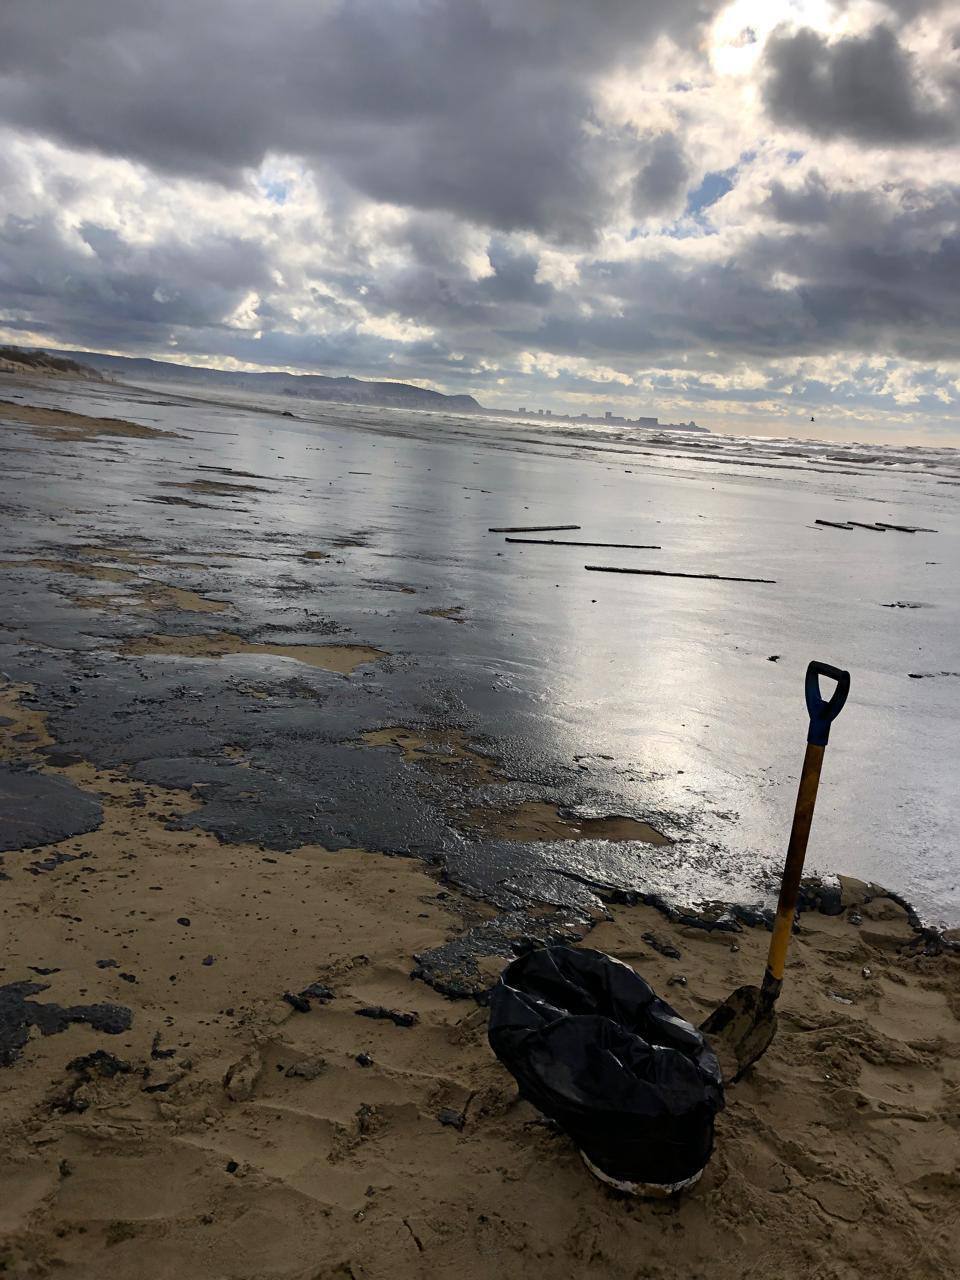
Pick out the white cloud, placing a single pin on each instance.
(581, 201)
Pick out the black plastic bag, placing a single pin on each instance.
(595, 1049)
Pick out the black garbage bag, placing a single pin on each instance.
(594, 1048)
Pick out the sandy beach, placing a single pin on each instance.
(230, 1050)
(229, 1133)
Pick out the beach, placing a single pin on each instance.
(287, 734)
(836, 1157)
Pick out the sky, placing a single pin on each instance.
(744, 213)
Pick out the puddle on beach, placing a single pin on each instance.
(437, 749)
(442, 750)
(537, 820)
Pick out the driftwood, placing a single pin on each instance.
(534, 528)
(663, 573)
(556, 542)
(530, 529)
(904, 528)
(881, 526)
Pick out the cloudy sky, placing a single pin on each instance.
(747, 212)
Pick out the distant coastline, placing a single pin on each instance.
(306, 386)
(43, 364)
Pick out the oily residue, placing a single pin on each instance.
(342, 658)
(41, 808)
(18, 1014)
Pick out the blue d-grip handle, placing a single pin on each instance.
(823, 713)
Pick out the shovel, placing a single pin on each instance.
(742, 1028)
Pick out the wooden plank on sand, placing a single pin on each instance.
(557, 542)
(533, 528)
(663, 573)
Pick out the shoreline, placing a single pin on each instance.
(181, 599)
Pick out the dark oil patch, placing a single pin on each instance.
(18, 1014)
(40, 808)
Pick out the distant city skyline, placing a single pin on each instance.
(609, 417)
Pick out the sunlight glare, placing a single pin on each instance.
(741, 29)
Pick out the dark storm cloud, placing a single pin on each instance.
(813, 201)
(435, 286)
(878, 275)
(859, 87)
(513, 279)
(662, 180)
(101, 290)
(480, 107)
(863, 275)
(345, 351)
(909, 9)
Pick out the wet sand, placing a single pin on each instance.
(206, 1099)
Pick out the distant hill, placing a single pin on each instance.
(307, 386)
(43, 363)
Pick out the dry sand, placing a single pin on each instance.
(837, 1158)
(61, 424)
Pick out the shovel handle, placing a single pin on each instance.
(822, 715)
(823, 712)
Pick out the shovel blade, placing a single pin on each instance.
(740, 1030)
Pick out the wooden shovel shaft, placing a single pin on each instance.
(793, 870)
